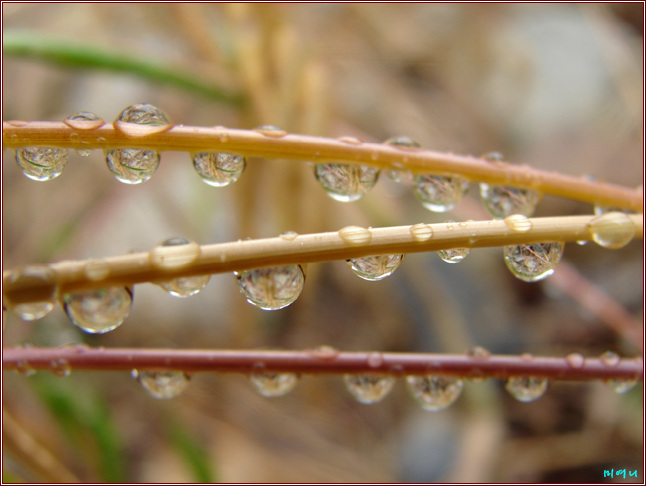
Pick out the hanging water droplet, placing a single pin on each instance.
(41, 280)
(60, 367)
(84, 152)
(421, 231)
(622, 386)
(41, 163)
(272, 288)
(271, 131)
(219, 169)
(502, 201)
(374, 268)
(274, 384)
(610, 359)
(518, 223)
(178, 253)
(439, 193)
(534, 261)
(369, 388)
(434, 393)
(141, 120)
(526, 388)
(612, 230)
(454, 255)
(404, 143)
(132, 166)
(100, 310)
(24, 368)
(355, 235)
(162, 384)
(84, 120)
(346, 182)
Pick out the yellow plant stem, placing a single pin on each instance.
(166, 263)
(345, 150)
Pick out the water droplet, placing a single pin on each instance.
(374, 268)
(478, 352)
(612, 230)
(502, 201)
(375, 359)
(100, 310)
(97, 269)
(325, 353)
(439, 193)
(219, 169)
(434, 393)
(41, 280)
(369, 388)
(272, 288)
(355, 235)
(575, 360)
(493, 157)
(174, 253)
(84, 152)
(454, 255)
(271, 131)
(288, 235)
(403, 142)
(518, 223)
(274, 384)
(350, 140)
(17, 123)
(610, 359)
(421, 231)
(132, 166)
(162, 384)
(526, 388)
(346, 182)
(84, 120)
(581, 242)
(24, 368)
(60, 367)
(622, 386)
(533, 262)
(41, 163)
(141, 120)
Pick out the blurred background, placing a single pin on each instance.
(558, 87)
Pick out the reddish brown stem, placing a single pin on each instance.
(322, 360)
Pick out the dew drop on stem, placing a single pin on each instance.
(219, 169)
(355, 235)
(533, 262)
(375, 268)
(612, 230)
(141, 120)
(403, 143)
(421, 232)
(526, 388)
(132, 166)
(183, 252)
(518, 223)
(162, 384)
(270, 131)
(439, 193)
(610, 359)
(98, 311)
(41, 280)
(346, 182)
(369, 388)
(272, 288)
(42, 163)
(274, 384)
(434, 393)
(454, 255)
(84, 121)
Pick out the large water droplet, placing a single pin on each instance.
(346, 182)
(454, 255)
(84, 120)
(439, 193)
(100, 310)
(404, 143)
(622, 386)
(162, 384)
(141, 120)
(612, 230)
(434, 393)
(501, 201)
(178, 253)
(375, 268)
(355, 235)
(421, 231)
(274, 384)
(132, 166)
(533, 262)
(41, 280)
(219, 169)
(271, 131)
(369, 388)
(272, 288)
(41, 163)
(526, 388)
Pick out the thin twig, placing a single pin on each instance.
(166, 263)
(321, 150)
(320, 361)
